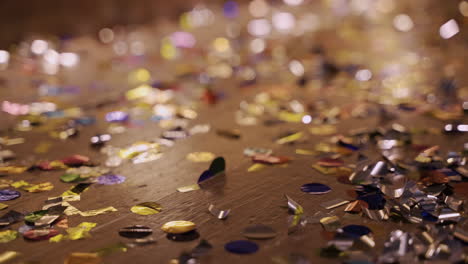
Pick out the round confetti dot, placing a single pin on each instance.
(110, 179)
(315, 188)
(136, 231)
(356, 231)
(178, 227)
(241, 247)
(7, 195)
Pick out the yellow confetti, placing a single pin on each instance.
(81, 231)
(5, 183)
(3, 206)
(290, 117)
(8, 235)
(256, 167)
(290, 138)
(41, 187)
(178, 227)
(19, 184)
(325, 170)
(189, 188)
(98, 211)
(200, 156)
(305, 152)
(146, 208)
(8, 255)
(12, 169)
(43, 147)
(57, 238)
(323, 130)
(83, 258)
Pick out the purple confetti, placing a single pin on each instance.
(7, 195)
(110, 179)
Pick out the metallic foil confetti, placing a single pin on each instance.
(7, 195)
(40, 234)
(137, 231)
(189, 188)
(334, 203)
(110, 179)
(220, 214)
(146, 208)
(178, 227)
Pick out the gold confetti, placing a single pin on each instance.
(290, 138)
(323, 130)
(178, 227)
(80, 231)
(8, 255)
(305, 152)
(189, 188)
(3, 206)
(8, 235)
(12, 169)
(146, 208)
(200, 156)
(83, 258)
(43, 147)
(256, 167)
(19, 184)
(290, 117)
(41, 187)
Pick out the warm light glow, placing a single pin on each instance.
(259, 27)
(257, 45)
(120, 48)
(385, 6)
(38, 46)
(69, 59)
(403, 22)
(4, 58)
(137, 48)
(306, 119)
(363, 75)
(296, 68)
(221, 44)
(168, 50)
(259, 8)
(106, 35)
(463, 7)
(293, 2)
(449, 29)
(283, 21)
(183, 39)
(309, 22)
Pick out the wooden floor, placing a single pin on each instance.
(253, 197)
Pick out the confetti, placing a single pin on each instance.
(200, 156)
(178, 227)
(241, 247)
(137, 231)
(315, 188)
(146, 208)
